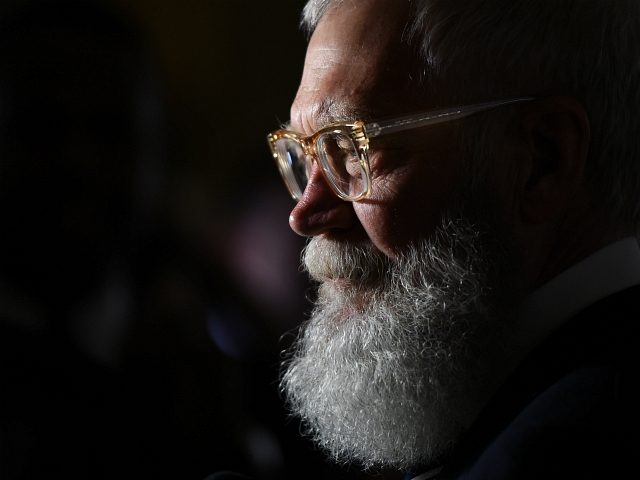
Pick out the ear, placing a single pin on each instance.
(556, 137)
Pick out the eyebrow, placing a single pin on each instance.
(334, 111)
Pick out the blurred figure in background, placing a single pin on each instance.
(78, 127)
(72, 125)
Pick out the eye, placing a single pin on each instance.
(345, 154)
(344, 143)
(352, 163)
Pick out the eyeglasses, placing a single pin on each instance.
(342, 149)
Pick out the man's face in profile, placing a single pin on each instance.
(410, 317)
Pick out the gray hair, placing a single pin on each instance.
(586, 49)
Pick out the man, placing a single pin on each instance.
(468, 175)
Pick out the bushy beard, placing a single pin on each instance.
(401, 354)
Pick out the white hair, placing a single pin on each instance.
(586, 49)
(390, 374)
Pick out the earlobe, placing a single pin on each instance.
(556, 136)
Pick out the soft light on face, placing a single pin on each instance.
(355, 63)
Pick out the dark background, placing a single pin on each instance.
(148, 277)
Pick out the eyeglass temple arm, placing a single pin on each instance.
(435, 116)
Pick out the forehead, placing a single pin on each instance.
(356, 64)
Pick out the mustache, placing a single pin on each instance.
(325, 260)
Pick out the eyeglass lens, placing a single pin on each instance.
(339, 159)
(294, 165)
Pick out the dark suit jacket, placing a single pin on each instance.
(571, 410)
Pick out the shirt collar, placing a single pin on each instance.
(603, 273)
(427, 475)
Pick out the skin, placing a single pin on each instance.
(356, 67)
(352, 60)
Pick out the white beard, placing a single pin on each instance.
(398, 359)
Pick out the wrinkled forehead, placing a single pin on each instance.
(367, 27)
(356, 60)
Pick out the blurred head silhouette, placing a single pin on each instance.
(71, 115)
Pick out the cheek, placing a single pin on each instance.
(406, 207)
(391, 228)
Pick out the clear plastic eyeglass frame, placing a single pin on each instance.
(294, 153)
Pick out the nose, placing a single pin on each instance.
(320, 210)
